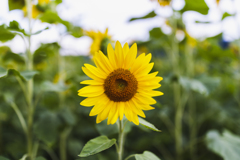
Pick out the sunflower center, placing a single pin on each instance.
(120, 85)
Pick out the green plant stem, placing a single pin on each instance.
(129, 157)
(63, 140)
(177, 90)
(20, 116)
(191, 102)
(120, 140)
(29, 65)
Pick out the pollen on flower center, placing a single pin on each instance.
(120, 85)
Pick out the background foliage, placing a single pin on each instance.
(198, 114)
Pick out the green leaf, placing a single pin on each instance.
(149, 15)
(5, 34)
(49, 86)
(196, 5)
(105, 129)
(226, 145)
(193, 84)
(40, 158)
(16, 4)
(14, 26)
(52, 17)
(48, 122)
(25, 75)
(96, 145)
(225, 14)
(3, 158)
(148, 125)
(146, 156)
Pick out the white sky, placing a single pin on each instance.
(114, 14)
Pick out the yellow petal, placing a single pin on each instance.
(121, 106)
(135, 109)
(138, 62)
(144, 99)
(150, 93)
(125, 49)
(135, 119)
(102, 62)
(97, 109)
(147, 77)
(90, 74)
(96, 71)
(93, 82)
(131, 56)
(119, 54)
(91, 91)
(104, 114)
(146, 107)
(91, 101)
(144, 71)
(143, 64)
(111, 56)
(128, 111)
(112, 112)
(147, 86)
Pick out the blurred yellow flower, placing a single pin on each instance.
(164, 2)
(99, 40)
(42, 2)
(217, 1)
(121, 84)
(190, 40)
(35, 11)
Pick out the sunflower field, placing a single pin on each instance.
(170, 97)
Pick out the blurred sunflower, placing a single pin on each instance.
(100, 41)
(43, 2)
(35, 11)
(121, 84)
(164, 2)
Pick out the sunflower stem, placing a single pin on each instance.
(120, 140)
(30, 83)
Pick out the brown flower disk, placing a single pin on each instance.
(120, 85)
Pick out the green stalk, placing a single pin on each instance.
(177, 90)
(120, 140)
(191, 102)
(30, 83)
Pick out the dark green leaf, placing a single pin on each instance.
(14, 26)
(52, 17)
(149, 15)
(40, 158)
(196, 5)
(16, 4)
(3, 158)
(25, 75)
(148, 125)
(225, 14)
(226, 145)
(156, 33)
(146, 156)
(96, 145)
(76, 31)
(5, 34)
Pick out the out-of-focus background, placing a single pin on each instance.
(196, 49)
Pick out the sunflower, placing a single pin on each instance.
(121, 84)
(35, 11)
(99, 40)
(164, 2)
